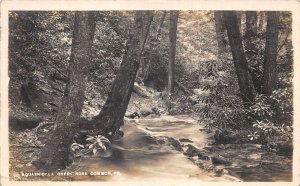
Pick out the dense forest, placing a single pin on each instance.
(98, 84)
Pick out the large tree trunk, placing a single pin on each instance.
(55, 153)
(251, 49)
(220, 31)
(160, 24)
(239, 59)
(172, 50)
(270, 73)
(111, 116)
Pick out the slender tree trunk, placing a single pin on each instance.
(251, 29)
(220, 31)
(261, 21)
(239, 59)
(111, 116)
(55, 153)
(172, 50)
(250, 48)
(146, 62)
(239, 20)
(161, 22)
(92, 20)
(270, 72)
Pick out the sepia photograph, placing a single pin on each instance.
(153, 95)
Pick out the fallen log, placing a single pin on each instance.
(139, 90)
(24, 122)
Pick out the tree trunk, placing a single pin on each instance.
(161, 22)
(251, 29)
(111, 116)
(239, 59)
(261, 21)
(270, 72)
(172, 50)
(239, 20)
(55, 154)
(92, 20)
(251, 49)
(220, 31)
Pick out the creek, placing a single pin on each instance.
(150, 151)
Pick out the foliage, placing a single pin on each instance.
(39, 40)
(179, 103)
(93, 145)
(255, 57)
(269, 134)
(282, 101)
(260, 109)
(272, 117)
(269, 118)
(97, 143)
(221, 105)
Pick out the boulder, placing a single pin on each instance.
(219, 160)
(133, 115)
(185, 140)
(174, 143)
(146, 113)
(192, 151)
(226, 137)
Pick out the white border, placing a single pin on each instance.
(286, 5)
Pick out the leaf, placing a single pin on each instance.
(92, 145)
(81, 146)
(95, 150)
(102, 146)
(76, 146)
(105, 140)
(90, 138)
(98, 140)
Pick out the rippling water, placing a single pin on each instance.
(139, 156)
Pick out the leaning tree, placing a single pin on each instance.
(111, 116)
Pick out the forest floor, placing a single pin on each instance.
(158, 145)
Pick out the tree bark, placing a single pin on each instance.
(161, 22)
(55, 154)
(239, 59)
(270, 72)
(92, 20)
(172, 50)
(251, 49)
(111, 116)
(251, 29)
(261, 21)
(239, 20)
(220, 31)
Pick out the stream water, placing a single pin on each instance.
(140, 156)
